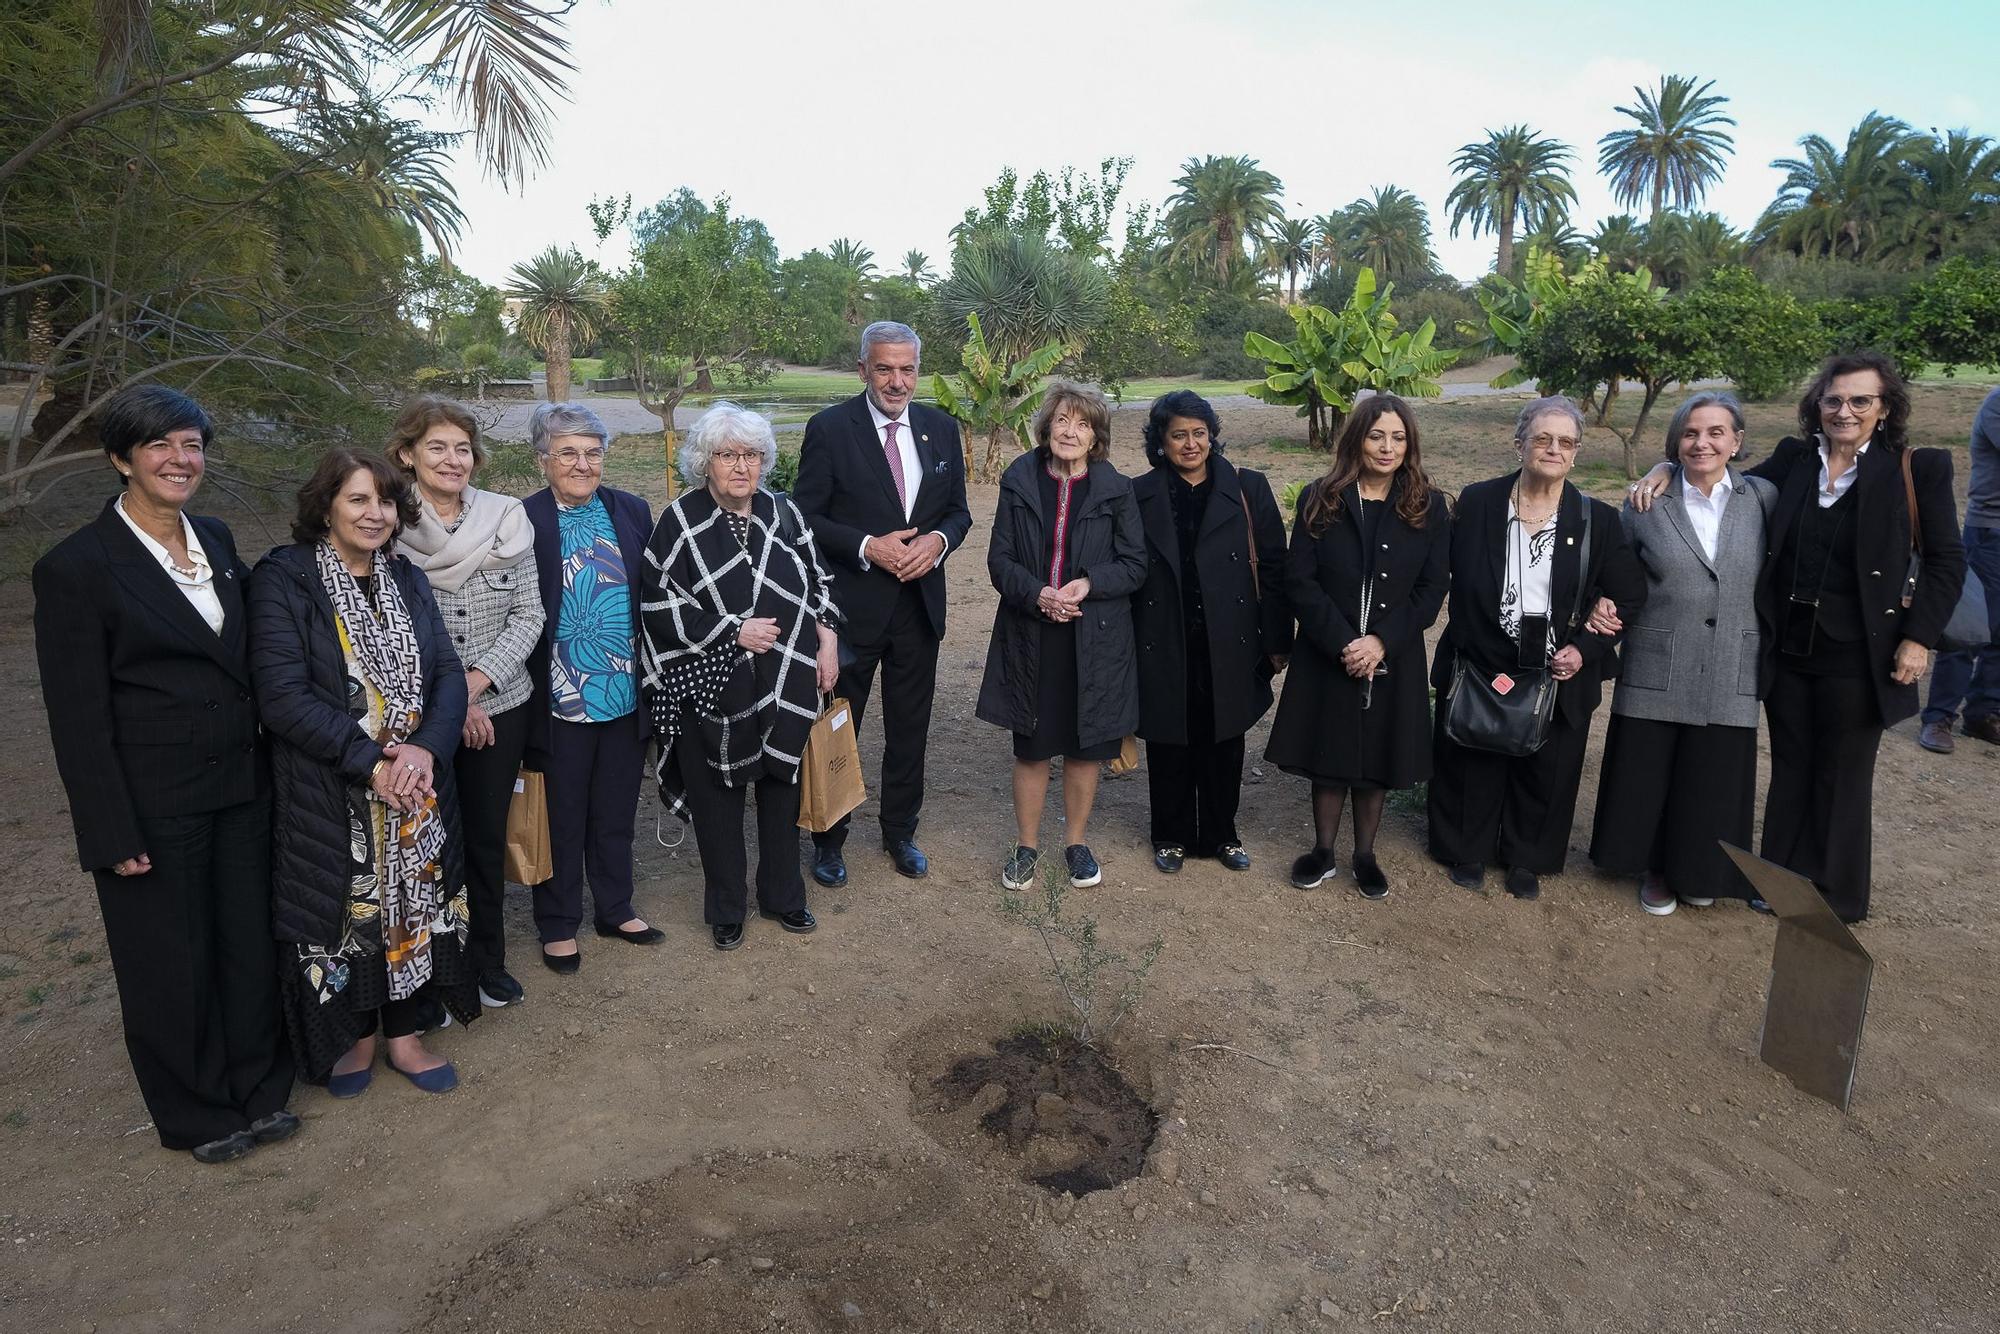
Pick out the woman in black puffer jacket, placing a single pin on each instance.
(364, 700)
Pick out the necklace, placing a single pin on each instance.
(1521, 513)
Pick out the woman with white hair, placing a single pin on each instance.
(739, 646)
(586, 730)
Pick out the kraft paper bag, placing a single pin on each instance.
(1127, 758)
(830, 786)
(529, 861)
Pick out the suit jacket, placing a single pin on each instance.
(1881, 556)
(1691, 653)
(846, 492)
(633, 522)
(150, 711)
(1479, 566)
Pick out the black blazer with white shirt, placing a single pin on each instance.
(150, 710)
(847, 494)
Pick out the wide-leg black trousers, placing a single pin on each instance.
(1819, 810)
(718, 837)
(1514, 810)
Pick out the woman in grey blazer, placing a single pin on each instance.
(1680, 758)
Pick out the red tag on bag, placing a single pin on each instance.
(1502, 684)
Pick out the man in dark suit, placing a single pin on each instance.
(882, 482)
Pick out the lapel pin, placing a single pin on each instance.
(1569, 541)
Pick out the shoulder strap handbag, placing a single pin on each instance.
(1250, 533)
(1916, 533)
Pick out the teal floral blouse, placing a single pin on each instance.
(590, 658)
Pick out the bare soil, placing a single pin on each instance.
(1449, 1110)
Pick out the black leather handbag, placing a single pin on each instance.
(1508, 713)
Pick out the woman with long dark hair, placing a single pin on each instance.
(1366, 575)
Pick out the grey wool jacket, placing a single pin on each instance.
(1690, 653)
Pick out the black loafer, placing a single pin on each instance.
(1523, 885)
(909, 859)
(1233, 857)
(278, 1125)
(566, 964)
(651, 935)
(1169, 857)
(1468, 875)
(728, 935)
(225, 1150)
(800, 921)
(829, 867)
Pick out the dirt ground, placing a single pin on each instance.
(1445, 1111)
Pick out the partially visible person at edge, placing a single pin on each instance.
(1969, 679)
(1842, 654)
(139, 636)
(1067, 554)
(1367, 573)
(739, 639)
(881, 482)
(1680, 756)
(1211, 625)
(587, 726)
(364, 700)
(1517, 558)
(478, 550)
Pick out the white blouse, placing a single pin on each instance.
(199, 587)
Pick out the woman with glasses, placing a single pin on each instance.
(1849, 618)
(587, 730)
(739, 647)
(1529, 554)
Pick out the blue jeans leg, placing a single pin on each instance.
(1972, 679)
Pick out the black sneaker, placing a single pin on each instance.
(1083, 868)
(1315, 868)
(1019, 872)
(498, 989)
(1368, 877)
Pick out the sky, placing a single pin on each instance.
(884, 123)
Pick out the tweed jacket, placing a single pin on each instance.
(1690, 654)
(495, 619)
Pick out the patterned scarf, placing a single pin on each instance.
(385, 646)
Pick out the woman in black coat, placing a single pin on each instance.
(1519, 562)
(1366, 575)
(1212, 627)
(139, 632)
(1841, 652)
(364, 700)
(1066, 556)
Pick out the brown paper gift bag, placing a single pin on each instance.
(830, 786)
(1127, 758)
(529, 861)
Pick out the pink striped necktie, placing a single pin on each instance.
(895, 463)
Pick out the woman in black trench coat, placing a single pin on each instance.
(1211, 624)
(1366, 575)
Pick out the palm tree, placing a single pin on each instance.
(1837, 203)
(1685, 246)
(400, 167)
(1389, 232)
(1620, 241)
(1954, 192)
(1217, 205)
(857, 263)
(1677, 152)
(562, 304)
(1554, 234)
(917, 266)
(1288, 249)
(1026, 292)
(1511, 177)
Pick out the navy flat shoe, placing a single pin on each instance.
(352, 1084)
(438, 1079)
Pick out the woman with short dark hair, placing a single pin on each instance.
(364, 699)
(1066, 555)
(1212, 629)
(139, 635)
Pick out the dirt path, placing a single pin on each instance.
(1444, 1111)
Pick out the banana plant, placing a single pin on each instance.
(993, 400)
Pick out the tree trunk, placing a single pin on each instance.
(557, 355)
(1653, 392)
(1604, 407)
(704, 382)
(1503, 263)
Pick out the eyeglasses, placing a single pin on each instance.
(1566, 443)
(569, 458)
(1857, 402)
(737, 458)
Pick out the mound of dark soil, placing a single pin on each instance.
(1073, 1120)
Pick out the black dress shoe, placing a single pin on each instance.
(909, 859)
(1468, 875)
(1233, 857)
(278, 1125)
(1169, 857)
(225, 1150)
(1523, 885)
(566, 964)
(651, 935)
(800, 921)
(728, 935)
(829, 867)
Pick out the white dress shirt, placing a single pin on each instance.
(913, 469)
(199, 588)
(1705, 512)
(1830, 492)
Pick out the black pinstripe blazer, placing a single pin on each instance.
(149, 710)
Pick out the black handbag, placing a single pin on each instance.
(1508, 713)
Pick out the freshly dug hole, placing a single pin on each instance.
(1073, 1121)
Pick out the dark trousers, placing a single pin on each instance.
(1819, 810)
(1668, 796)
(1194, 791)
(1515, 810)
(1971, 677)
(485, 789)
(593, 794)
(908, 654)
(414, 1013)
(718, 836)
(197, 974)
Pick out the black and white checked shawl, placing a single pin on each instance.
(699, 586)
